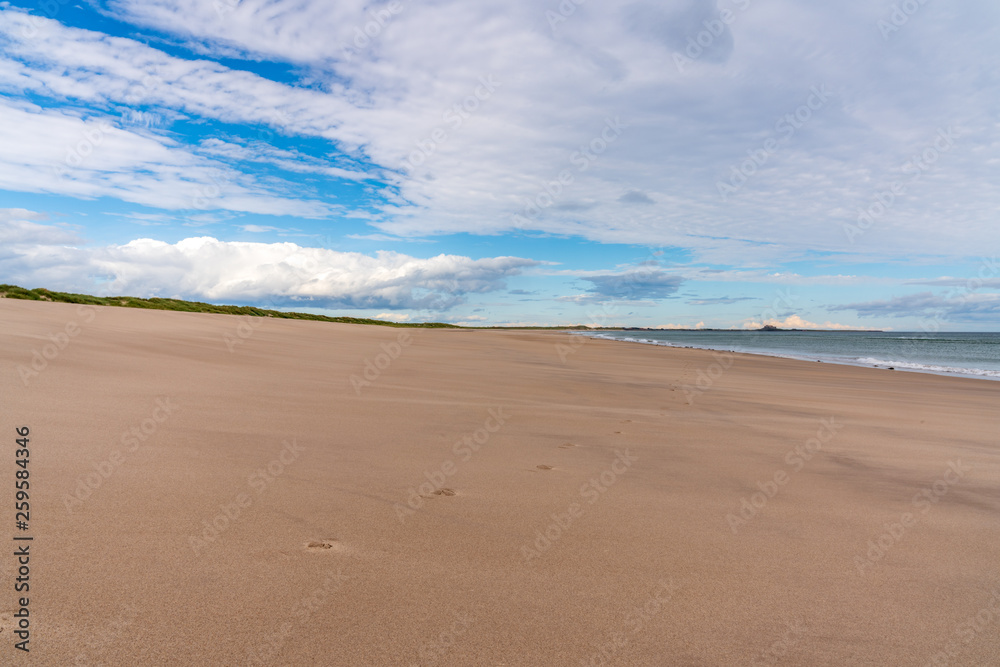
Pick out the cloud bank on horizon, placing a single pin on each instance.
(510, 162)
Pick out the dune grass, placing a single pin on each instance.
(41, 294)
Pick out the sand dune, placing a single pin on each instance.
(213, 490)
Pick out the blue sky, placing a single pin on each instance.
(672, 163)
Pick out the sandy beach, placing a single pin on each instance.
(208, 489)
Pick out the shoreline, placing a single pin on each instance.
(925, 369)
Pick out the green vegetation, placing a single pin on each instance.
(41, 294)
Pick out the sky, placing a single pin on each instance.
(678, 163)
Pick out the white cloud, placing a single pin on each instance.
(259, 229)
(393, 317)
(294, 161)
(685, 128)
(283, 273)
(555, 91)
(700, 325)
(386, 237)
(18, 227)
(64, 62)
(796, 322)
(59, 152)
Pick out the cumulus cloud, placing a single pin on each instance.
(279, 273)
(797, 322)
(700, 325)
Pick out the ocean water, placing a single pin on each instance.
(966, 354)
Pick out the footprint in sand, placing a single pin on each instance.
(544, 467)
(439, 493)
(323, 546)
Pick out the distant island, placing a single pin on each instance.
(771, 327)
(766, 327)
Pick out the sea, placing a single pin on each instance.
(942, 353)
